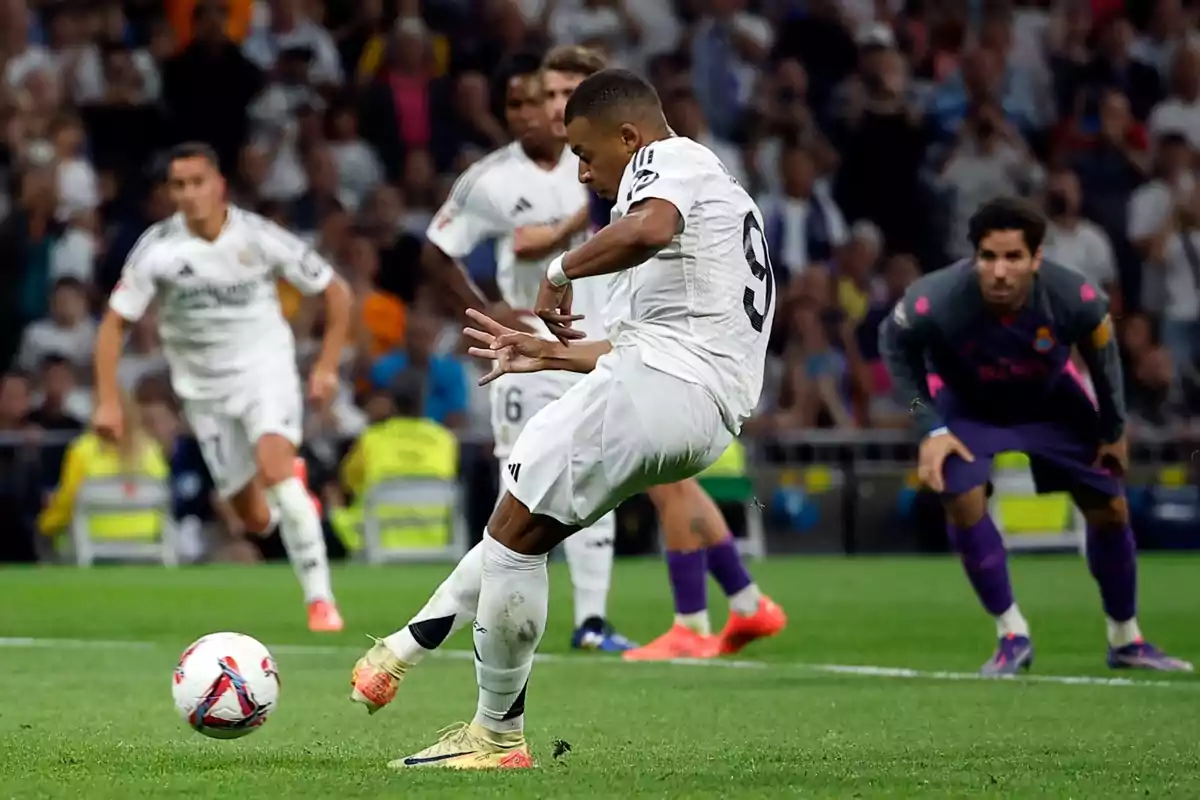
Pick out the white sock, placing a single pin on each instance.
(300, 529)
(513, 604)
(452, 606)
(745, 602)
(1012, 623)
(1123, 633)
(697, 621)
(590, 560)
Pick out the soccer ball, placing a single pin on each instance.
(225, 685)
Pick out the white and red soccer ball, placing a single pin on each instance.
(226, 685)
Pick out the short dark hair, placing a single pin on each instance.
(608, 90)
(517, 65)
(575, 59)
(193, 150)
(1008, 214)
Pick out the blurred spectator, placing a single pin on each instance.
(471, 121)
(276, 114)
(856, 287)
(207, 87)
(395, 110)
(686, 119)
(68, 332)
(1112, 67)
(323, 196)
(1168, 31)
(73, 254)
(1153, 210)
(382, 313)
(804, 224)
(1149, 378)
(815, 393)
(1175, 251)
(1180, 111)
(882, 144)
(358, 167)
(285, 28)
(399, 252)
(78, 189)
(62, 405)
(445, 379)
(629, 32)
(728, 45)
(989, 159)
(1076, 242)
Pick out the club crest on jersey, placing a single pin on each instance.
(246, 257)
(1044, 342)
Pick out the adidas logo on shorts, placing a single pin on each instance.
(514, 470)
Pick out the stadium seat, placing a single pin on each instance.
(413, 519)
(143, 532)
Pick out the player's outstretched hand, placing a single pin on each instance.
(108, 421)
(1114, 457)
(554, 309)
(508, 350)
(932, 456)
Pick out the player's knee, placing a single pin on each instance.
(517, 528)
(251, 507)
(275, 458)
(967, 509)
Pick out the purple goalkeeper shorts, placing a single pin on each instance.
(1061, 449)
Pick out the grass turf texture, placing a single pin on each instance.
(80, 720)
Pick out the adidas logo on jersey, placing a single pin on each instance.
(514, 470)
(522, 205)
(186, 270)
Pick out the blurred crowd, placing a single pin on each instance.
(868, 129)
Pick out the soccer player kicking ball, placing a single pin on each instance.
(662, 398)
(213, 268)
(697, 541)
(998, 332)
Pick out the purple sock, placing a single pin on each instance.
(1112, 561)
(688, 576)
(725, 564)
(981, 549)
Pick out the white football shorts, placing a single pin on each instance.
(228, 429)
(516, 399)
(620, 430)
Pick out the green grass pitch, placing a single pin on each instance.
(86, 713)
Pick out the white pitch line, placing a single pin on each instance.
(862, 671)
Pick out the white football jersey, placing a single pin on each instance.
(219, 317)
(701, 308)
(504, 191)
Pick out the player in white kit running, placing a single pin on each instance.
(213, 268)
(681, 370)
(532, 181)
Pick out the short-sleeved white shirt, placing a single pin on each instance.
(504, 191)
(702, 308)
(219, 317)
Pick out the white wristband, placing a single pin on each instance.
(942, 431)
(555, 274)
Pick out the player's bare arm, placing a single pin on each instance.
(110, 342)
(639, 235)
(323, 380)
(1098, 346)
(513, 351)
(539, 241)
(459, 291)
(903, 340)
